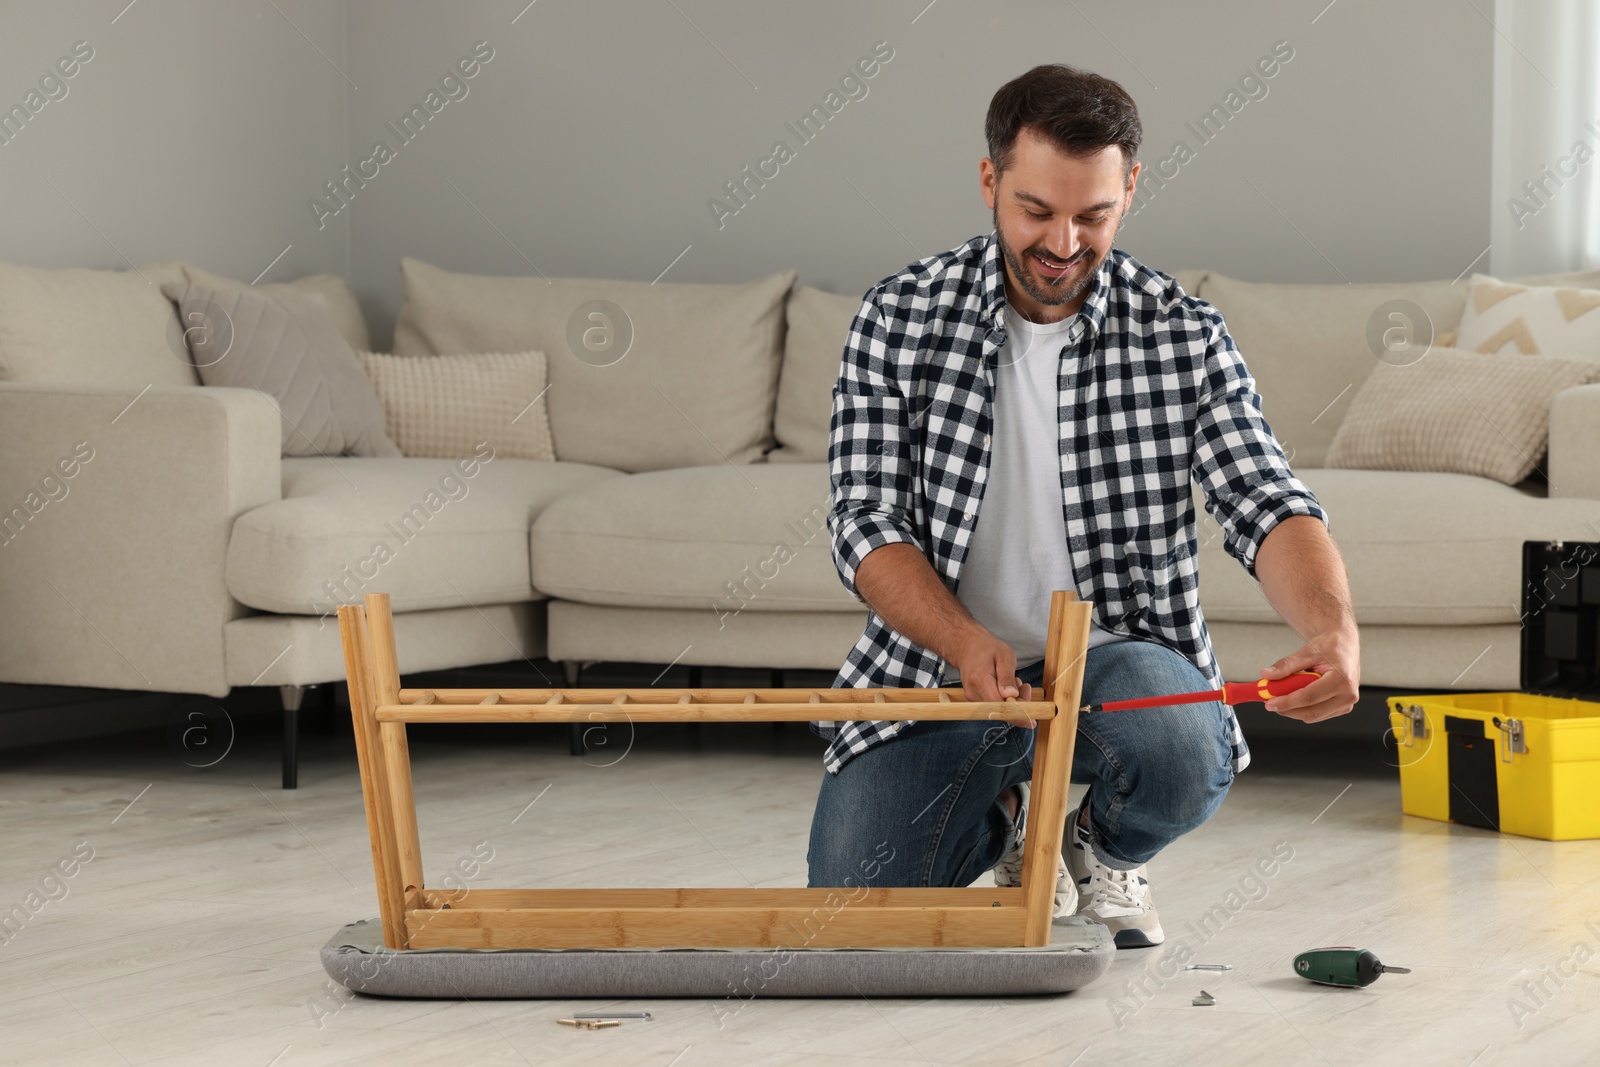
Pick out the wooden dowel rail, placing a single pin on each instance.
(612, 711)
(768, 897)
(696, 696)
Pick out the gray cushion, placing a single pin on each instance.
(1080, 950)
(285, 345)
(334, 291)
(718, 538)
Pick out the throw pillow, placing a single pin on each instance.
(334, 290)
(650, 376)
(446, 405)
(1456, 411)
(819, 326)
(1531, 320)
(285, 345)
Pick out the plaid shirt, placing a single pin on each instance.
(1153, 393)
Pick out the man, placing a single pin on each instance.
(1025, 413)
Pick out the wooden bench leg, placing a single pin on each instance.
(375, 791)
(1065, 651)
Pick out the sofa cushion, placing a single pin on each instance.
(672, 375)
(285, 345)
(1307, 345)
(813, 348)
(91, 327)
(1421, 549)
(717, 539)
(333, 290)
(432, 533)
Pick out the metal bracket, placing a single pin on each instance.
(1416, 724)
(1515, 742)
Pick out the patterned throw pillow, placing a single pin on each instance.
(446, 406)
(1530, 320)
(288, 346)
(1456, 411)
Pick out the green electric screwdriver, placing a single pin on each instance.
(1342, 965)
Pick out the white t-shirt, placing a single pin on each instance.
(1019, 553)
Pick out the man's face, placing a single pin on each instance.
(1057, 216)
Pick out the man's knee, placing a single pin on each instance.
(1197, 798)
(1188, 769)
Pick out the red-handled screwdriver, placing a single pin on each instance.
(1230, 693)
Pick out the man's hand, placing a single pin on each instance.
(988, 669)
(901, 586)
(1336, 655)
(1303, 578)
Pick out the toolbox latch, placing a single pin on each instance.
(1516, 743)
(1416, 724)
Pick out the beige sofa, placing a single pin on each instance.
(686, 520)
(1434, 559)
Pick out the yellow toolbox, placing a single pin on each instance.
(1524, 763)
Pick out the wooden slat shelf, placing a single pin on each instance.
(414, 916)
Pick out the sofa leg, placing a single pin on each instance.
(573, 670)
(291, 695)
(777, 683)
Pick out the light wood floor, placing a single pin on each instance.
(191, 937)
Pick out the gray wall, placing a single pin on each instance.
(196, 132)
(592, 141)
(595, 137)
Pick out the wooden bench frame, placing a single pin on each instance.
(414, 916)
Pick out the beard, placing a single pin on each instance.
(1038, 288)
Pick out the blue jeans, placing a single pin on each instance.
(924, 808)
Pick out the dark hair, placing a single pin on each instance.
(1075, 110)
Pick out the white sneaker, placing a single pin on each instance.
(1009, 871)
(1118, 899)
